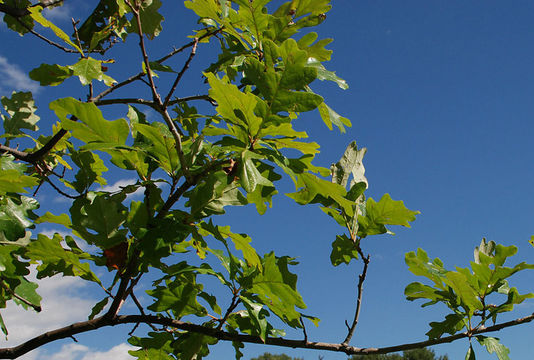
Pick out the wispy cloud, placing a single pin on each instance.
(58, 293)
(82, 352)
(118, 185)
(58, 13)
(14, 78)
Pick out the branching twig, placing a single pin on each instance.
(361, 280)
(139, 75)
(175, 196)
(235, 301)
(181, 73)
(176, 133)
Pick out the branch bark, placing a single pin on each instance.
(361, 280)
(103, 321)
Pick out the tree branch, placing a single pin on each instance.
(176, 133)
(181, 73)
(150, 102)
(103, 321)
(37, 155)
(361, 280)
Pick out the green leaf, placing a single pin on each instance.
(160, 145)
(420, 265)
(51, 75)
(350, 163)
(151, 19)
(323, 74)
(16, 216)
(494, 346)
(241, 242)
(233, 105)
(106, 20)
(451, 325)
(91, 127)
(91, 168)
(250, 176)
(156, 347)
(99, 306)
(193, 346)
(35, 13)
(22, 24)
(276, 288)
(89, 69)
(384, 212)
(212, 195)
(470, 354)
(467, 294)
(26, 291)
(54, 259)
(178, 296)
(257, 314)
(314, 187)
(343, 250)
(21, 110)
(12, 178)
(103, 215)
(330, 117)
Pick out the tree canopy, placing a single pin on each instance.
(192, 156)
(415, 354)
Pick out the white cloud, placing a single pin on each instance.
(59, 13)
(58, 293)
(75, 351)
(123, 183)
(119, 352)
(14, 78)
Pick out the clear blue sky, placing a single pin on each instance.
(442, 95)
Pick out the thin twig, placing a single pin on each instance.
(140, 307)
(117, 86)
(192, 43)
(175, 196)
(74, 25)
(139, 75)
(304, 329)
(235, 301)
(181, 73)
(176, 133)
(21, 299)
(361, 280)
(74, 197)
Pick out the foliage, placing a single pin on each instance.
(415, 354)
(201, 154)
(269, 356)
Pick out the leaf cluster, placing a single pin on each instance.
(474, 296)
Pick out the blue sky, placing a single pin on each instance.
(441, 94)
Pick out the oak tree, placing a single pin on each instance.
(196, 155)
